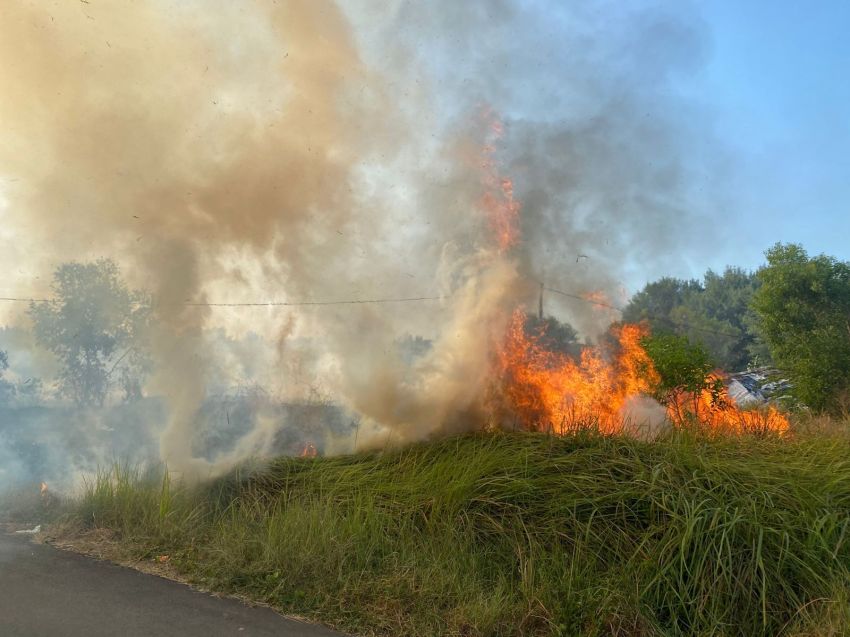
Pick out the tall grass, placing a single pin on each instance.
(518, 534)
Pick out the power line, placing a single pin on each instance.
(411, 299)
(585, 299)
(8, 298)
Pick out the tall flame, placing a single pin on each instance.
(539, 389)
(498, 202)
(549, 391)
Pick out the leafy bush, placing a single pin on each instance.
(684, 370)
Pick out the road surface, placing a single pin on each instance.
(52, 593)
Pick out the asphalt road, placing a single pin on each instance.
(48, 592)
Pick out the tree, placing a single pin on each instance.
(714, 312)
(684, 375)
(552, 335)
(96, 327)
(412, 348)
(657, 301)
(7, 389)
(803, 314)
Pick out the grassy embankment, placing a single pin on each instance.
(518, 534)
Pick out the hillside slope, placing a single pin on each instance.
(518, 534)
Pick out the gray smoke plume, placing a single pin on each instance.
(613, 163)
(298, 150)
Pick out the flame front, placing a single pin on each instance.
(718, 412)
(542, 390)
(549, 391)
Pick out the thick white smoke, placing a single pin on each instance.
(293, 150)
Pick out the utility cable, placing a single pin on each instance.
(411, 299)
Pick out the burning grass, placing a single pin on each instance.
(550, 391)
(518, 534)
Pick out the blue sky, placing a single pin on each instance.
(777, 80)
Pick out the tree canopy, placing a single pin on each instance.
(95, 326)
(803, 314)
(684, 370)
(553, 335)
(713, 312)
(7, 389)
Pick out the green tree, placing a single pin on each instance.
(714, 312)
(658, 300)
(684, 371)
(95, 326)
(803, 314)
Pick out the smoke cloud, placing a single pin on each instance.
(299, 150)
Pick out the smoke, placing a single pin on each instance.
(644, 417)
(615, 165)
(300, 151)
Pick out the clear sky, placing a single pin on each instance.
(777, 78)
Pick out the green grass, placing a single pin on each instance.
(518, 534)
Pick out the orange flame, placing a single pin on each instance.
(543, 390)
(718, 412)
(549, 391)
(498, 203)
(309, 451)
(598, 299)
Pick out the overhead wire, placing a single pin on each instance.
(579, 297)
(584, 298)
(12, 299)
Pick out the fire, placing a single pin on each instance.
(549, 391)
(542, 390)
(309, 451)
(498, 202)
(718, 412)
(43, 489)
(597, 298)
